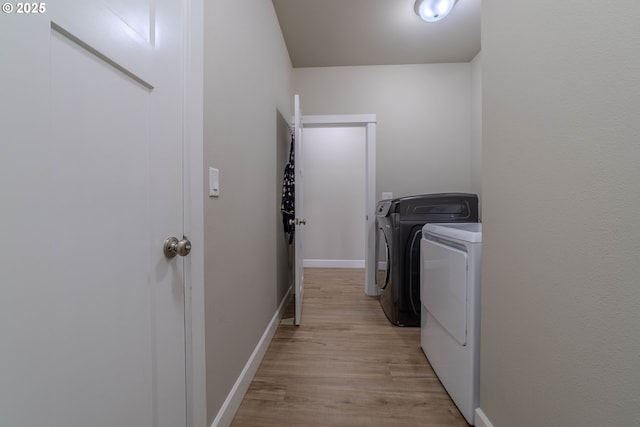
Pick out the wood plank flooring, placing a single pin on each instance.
(346, 365)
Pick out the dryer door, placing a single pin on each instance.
(382, 259)
(444, 285)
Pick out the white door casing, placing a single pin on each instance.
(299, 211)
(91, 313)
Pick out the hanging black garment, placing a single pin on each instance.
(288, 195)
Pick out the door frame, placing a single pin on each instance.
(193, 203)
(369, 121)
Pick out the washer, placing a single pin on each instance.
(450, 318)
(399, 225)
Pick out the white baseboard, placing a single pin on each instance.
(239, 389)
(481, 419)
(334, 263)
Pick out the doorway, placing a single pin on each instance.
(334, 186)
(368, 122)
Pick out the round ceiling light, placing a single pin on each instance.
(433, 10)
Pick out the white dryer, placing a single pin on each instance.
(450, 316)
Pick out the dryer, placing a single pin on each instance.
(399, 225)
(450, 317)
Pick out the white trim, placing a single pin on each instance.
(239, 389)
(481, 419)
(195, 369)
(344, 119)
(369, 121)
(334, 263)
(370, 287)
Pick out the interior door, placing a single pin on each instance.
(299, 210)
(91, 311)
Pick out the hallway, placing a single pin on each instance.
(346, 365)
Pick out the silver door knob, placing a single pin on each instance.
(301, 221)
(173, 247)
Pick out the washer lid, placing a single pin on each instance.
(466, 231)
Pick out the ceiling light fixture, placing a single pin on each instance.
(433, 10)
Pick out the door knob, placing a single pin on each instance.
(173, 247)
(301, 221)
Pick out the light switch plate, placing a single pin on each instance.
(214, 182)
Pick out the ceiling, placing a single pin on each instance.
(325, 33)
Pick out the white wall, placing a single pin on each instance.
(424, 119)
(561, 203)
(334, 190)
(248, 102)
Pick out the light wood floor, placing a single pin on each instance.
(346, 365)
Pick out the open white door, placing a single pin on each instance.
(299, 210)
(91, 179)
